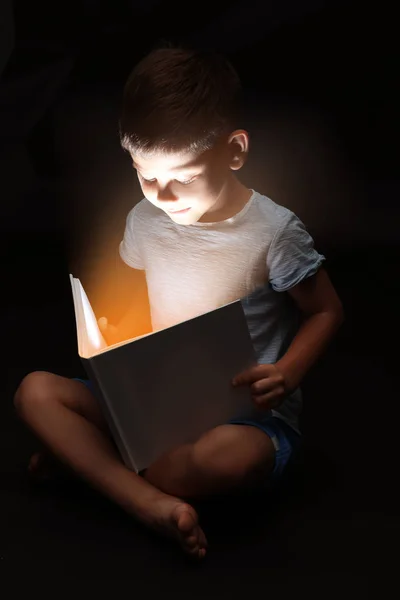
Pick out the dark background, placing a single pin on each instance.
(322, 91)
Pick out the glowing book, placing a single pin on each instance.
(167, 387)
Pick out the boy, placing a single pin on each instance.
(203, 240)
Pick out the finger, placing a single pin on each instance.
(262, 386)
(269, 400)
(267, 384)
(102, 322)
(248, 376)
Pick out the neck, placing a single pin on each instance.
(232, 198)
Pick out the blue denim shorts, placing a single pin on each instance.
(285, 439)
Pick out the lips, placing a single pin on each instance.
(179, 212)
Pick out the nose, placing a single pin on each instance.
(165, 194)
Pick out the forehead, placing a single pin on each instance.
(168, 162)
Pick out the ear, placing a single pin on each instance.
(238, 142)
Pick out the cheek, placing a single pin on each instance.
(206, 191)
(215, 181)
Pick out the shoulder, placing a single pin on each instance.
(141, 210)
(141, 214)
(291, 255)
(275, 215)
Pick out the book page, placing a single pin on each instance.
(90, 339)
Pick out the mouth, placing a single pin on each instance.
(179, 212)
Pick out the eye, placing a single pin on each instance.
(187, 181)
(147, 180)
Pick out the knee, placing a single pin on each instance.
(33, 391)
(215, 455)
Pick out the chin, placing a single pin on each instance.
(188, 218)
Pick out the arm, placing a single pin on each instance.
(322, 316)
(295, 268)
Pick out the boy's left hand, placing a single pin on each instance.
(267, 385)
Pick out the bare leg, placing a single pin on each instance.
(43, 465)
(226, 459)
(55, 408)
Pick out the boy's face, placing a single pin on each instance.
(186, 185)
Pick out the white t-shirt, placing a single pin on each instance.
(256, 255)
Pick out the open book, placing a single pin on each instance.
(167, 387)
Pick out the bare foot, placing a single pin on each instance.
(179, 521)
(167, 515)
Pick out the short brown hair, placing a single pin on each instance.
(178, 99)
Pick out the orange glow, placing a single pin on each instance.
(119, 293)
(124, 302)
(115, 291)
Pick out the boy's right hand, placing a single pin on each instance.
(109, 332)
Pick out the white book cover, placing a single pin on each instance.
(170, 386)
